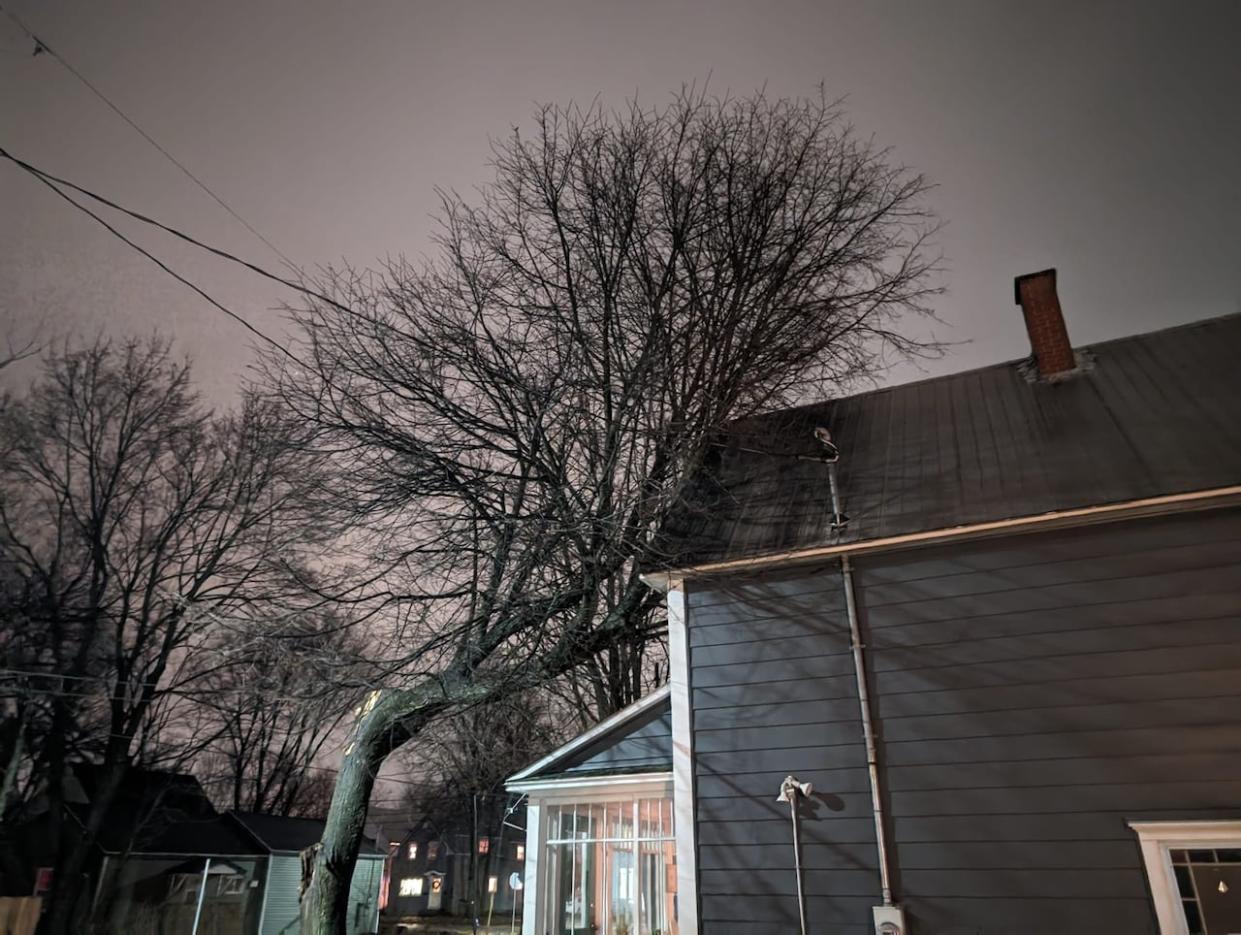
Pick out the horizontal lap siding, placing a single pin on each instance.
(1035, 694)
(773, 693)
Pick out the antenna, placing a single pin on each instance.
(832, 454)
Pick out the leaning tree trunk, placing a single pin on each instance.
(386, 720)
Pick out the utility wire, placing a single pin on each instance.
(160, 263)
(47, 178)
(42, 46)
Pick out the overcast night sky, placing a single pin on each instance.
(1100, 138)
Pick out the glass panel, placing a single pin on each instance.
(610, 869)
(1192, 919)
(622, 888)
(1183, 882)
(573, 897)
(657, 889)
(1219, 898)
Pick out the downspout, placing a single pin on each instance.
(868, 730)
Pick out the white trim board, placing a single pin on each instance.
(575, 787)
(1156, 839)
(585, 739)
(663, 580)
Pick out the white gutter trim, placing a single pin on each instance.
(584, 739)
(1195, 500)
(575, 783)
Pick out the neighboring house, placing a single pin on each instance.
(284, 839)
(429, 870)
(1006, 654)
(166, 861)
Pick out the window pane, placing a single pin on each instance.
(657, 890)
(621, 888)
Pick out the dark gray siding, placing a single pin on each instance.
(773, 694)
(1033, 694)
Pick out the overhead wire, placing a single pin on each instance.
(42, 45)
(161, 264)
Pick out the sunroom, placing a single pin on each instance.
(600, 845)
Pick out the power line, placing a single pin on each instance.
(42, 46)
(48, 179)
(157, 261)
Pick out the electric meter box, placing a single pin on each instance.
(890, 920)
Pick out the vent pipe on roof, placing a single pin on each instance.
(1049, 339)
(830, 457)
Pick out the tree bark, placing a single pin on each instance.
(386, 720)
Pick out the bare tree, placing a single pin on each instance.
(276, 692)
(133, 520)
(513, 419)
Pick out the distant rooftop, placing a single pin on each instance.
(290, 835)
(1147, 416)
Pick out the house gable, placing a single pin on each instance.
(635, 740)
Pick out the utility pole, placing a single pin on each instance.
(474, 862)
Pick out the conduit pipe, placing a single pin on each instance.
(868, 730)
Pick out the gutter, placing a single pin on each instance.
(1081, 516)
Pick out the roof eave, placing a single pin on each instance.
(663, 580)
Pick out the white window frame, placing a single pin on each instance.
(1157, 839)
(569, 792)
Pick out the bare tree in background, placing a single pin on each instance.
(513, 419)
(276, 692)
(132, 520)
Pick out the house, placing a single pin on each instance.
(283, 840)
(974, 642)
(430, 866)
(165, 860)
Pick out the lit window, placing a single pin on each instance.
(433, 850)
(521, 852)
(413, 852)
(437, 884)
(411, 886)
(484, 845)
(493, 883)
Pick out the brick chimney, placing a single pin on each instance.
(1049, 339)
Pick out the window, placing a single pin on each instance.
(484, 845)
(413, 852)
(521, 852)
(611, 868)
(232, 885)
(433, 850)
(493, 884)
(1194, 869)
(411, 886)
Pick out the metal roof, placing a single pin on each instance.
(1146, 416)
